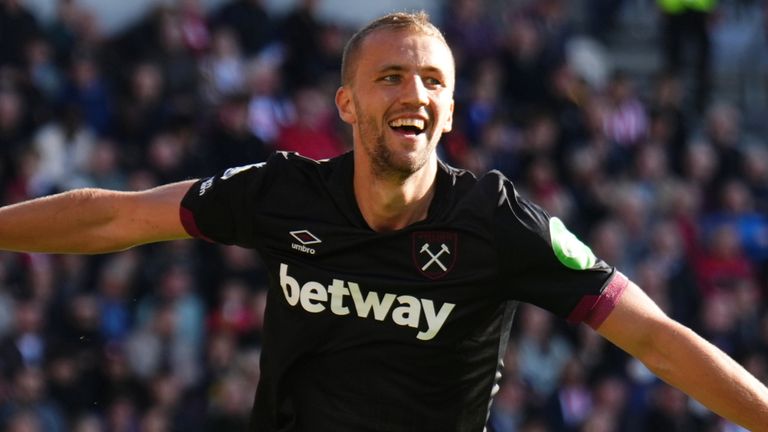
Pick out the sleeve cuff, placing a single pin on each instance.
(190, 225)
(594, 309)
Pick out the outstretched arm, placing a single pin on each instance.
(93, 220)
(683, 359)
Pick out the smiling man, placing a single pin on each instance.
(398, 97)
(393, 277)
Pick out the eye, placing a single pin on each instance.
(391, 79)
(433, 82)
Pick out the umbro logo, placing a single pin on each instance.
(305, 238)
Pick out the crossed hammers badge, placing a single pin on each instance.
(434, 253)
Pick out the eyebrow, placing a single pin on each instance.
(401, 68)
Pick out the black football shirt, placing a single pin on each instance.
(395, 331)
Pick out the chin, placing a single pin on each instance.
(410, 162)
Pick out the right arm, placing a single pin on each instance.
(93, 220)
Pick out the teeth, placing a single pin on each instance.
(414, 122)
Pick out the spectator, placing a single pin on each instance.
(230, 404)
(63, 31)
(17, 27)
(143, 111)
(26, 346)
(608, 240)
(312, 133)
(589, 188)
(24, 421)
(67, 384)
(224, 69)
(610, 404)
(723, 130)
(669, 412)
(525, 68)
(234, 313)
(88, 91)
(114, 296)
(176, 60)
(510, 407)
(483, 104)
(153, 346)
(167, 158)
(545, 189)
(250, 21)
(650, 171)
(540, 345)
(499, 148)
(122, 416)
(737, 210)
(301, 34)
(571, 405)
(669, 126)
(14, 131)
(176, 289)
(625, 122)
(30, 406)
(756, 175)
(268, 110)
(667, 257)
(88, 423)
(64, 149)
(194, 27)
(539, 139)
(42, 70)
(700, 166)
(230, 142)
(723, 265)
(602, 17)
(120, 390)
(568, 96)
(687, 22)
(471, 32)
(103, 170)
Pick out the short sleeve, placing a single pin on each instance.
(222, 208)
(543, 263)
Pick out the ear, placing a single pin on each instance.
(449, 121)
(345, 105)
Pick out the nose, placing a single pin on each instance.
(414, 92)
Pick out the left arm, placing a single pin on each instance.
(685, 360)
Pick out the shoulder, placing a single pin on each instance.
(481, 196)
(295, 161)
(492, 185)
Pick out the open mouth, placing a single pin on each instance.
(408, 126)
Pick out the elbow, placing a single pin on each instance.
(100, 227)
(657, 350)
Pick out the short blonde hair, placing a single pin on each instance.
(416, 21)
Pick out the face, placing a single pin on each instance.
(399, 101)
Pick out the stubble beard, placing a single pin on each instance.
(384, 162)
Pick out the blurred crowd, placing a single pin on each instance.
(665, 183)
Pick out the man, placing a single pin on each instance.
(394, 277)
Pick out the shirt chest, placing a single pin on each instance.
(415, 284)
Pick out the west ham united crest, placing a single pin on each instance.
(435, 252)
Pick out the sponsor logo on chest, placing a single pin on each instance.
(345, 298)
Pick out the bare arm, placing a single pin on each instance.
(683, 359)
(93, 220)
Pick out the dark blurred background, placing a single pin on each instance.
(640, 123)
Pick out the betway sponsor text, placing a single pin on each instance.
(403, 310)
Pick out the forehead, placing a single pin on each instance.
(405, 48)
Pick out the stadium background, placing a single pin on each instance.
(658, 163)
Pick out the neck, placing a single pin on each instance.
(389, 203)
